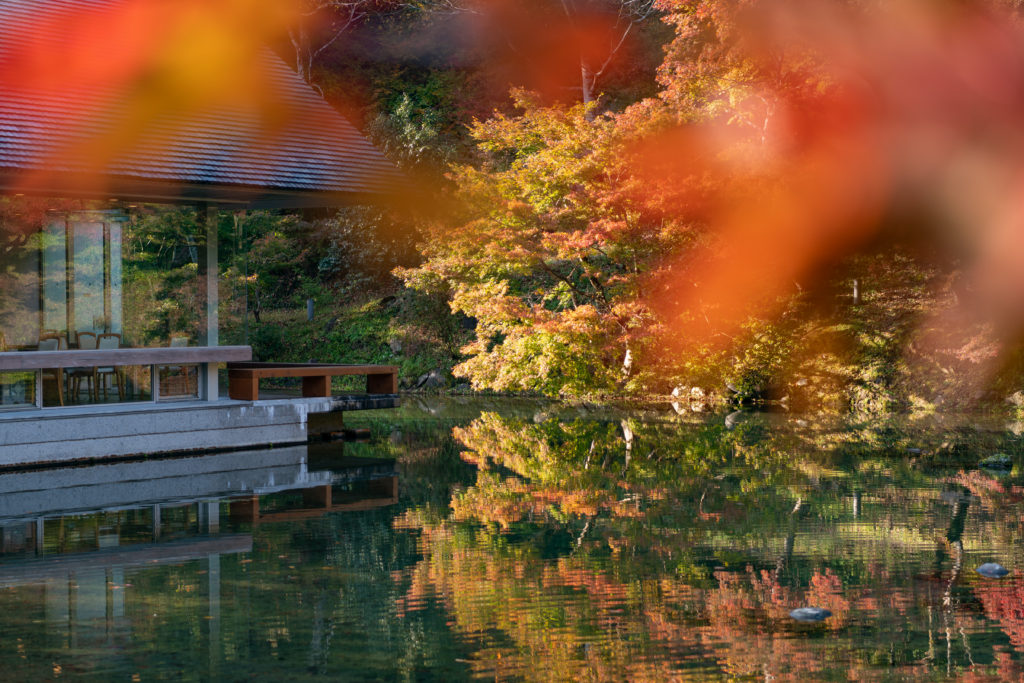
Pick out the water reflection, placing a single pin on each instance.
(619, 549)
(531, 543)
(126, 555)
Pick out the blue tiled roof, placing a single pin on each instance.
(312, 150)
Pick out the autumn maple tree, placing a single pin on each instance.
(564, 226)
(548, 252)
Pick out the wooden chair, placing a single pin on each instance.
(86, 341)
(109, 340)
(62, 341)
(184, 372)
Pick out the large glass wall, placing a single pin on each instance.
(101, 279)
(80, 270)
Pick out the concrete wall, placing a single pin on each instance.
(55, 435)
(57, 491)
(82, 433)
(136, 483)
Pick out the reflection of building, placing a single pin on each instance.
(77, 540)
(39, 495)
(317, 501)
(66, 149)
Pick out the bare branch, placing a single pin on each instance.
(341, 16)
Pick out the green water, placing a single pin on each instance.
(528, 542)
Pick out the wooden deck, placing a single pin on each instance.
(244, 378)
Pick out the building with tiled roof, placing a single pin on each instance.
(106, 105)
(284, 146)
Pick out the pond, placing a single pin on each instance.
(513, 540)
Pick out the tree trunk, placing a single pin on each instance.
(300, 43)
(588, 78)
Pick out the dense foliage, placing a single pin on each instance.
(567, 223)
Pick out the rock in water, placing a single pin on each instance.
(810, 614)
(992, 570)
(999, 461)
(432, 380)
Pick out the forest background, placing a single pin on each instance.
(642, 199)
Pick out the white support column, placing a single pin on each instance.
(209, 517)
(157, 522)
(207, 216)
(213, 614)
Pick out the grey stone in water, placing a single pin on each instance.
(810, 614)
(435, 378)
(999, 461)
(992, 570)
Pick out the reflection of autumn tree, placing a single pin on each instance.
(577, 619)
(749, 627)
(1003, 602)
(630, 550)
(606, 464)
(618, 487)
(546, 612)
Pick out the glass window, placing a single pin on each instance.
(99, 279)
(17, 389)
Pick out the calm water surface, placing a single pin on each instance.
(527, 542)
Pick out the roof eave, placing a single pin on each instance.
(235, 196)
